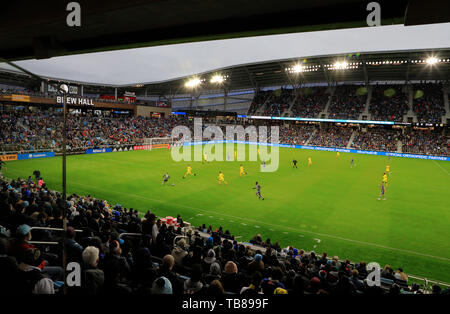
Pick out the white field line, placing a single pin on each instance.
(443, 169)
(277, 226)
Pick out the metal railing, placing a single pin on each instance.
(130, 234)
(49, 229)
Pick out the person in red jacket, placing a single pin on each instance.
(19, 245)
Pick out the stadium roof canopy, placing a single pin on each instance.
(38, 29)
(258, 61)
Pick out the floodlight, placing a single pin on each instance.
(218, 79)
(297, 68)
(193, 82)
(340, 65)
(432, 60)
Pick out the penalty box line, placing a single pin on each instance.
(297, 230)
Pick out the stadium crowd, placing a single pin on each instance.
(346, 103)
(377, 139)
(20, 131)
(331, 137)
(310, 102)
(30, 131)
(388, 103)
(279, 102)
(258, 101)
(162, 259)
(426, 142)
(428, 103)
(296, 134)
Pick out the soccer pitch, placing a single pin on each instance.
(327, 206)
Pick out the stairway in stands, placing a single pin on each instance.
(288, 112)
(366, 113)
(352, 137)
(260, 110)
(325, 110)
(446, 117)
(22, 126)
(399, 146)
(311, 136)
(410, 113)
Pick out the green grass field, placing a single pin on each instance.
(325, 207)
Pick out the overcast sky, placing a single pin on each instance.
(161, 63)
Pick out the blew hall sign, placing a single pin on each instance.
(75, 101)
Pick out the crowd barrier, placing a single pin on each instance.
(331, 149)
(99, 150)
(143, 147)
(35, 155)
(9, 157)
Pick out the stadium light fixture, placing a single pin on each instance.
(432, 60)
(341, 65)
(217, 79)
(297, 68)
(193, 82)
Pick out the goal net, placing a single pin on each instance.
(158, 142)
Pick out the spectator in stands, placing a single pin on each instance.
(436, 289)
(166, 271)
(114, 280)
(273, 281)
(255, 285)
(115, 253)
(73, 248)
(31, 278)
(194, 285)
(93, 278)
(208, 260)
(179, 252)
(127, 266)
(162, 285)
(299, 285)
(388, 272)
(215, 273)
(399, 274)
(56, 220)
(257, 265)
(19, 245)
(231, 281)
(357, 283)
(8, 271)
(153, 229)
(215, 289)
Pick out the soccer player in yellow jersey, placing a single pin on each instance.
(221, 178)
(309, 161)
(242, 171)
(205, 157)
(188, 172)
(337, 155)
(388, 169)
(385, 179)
